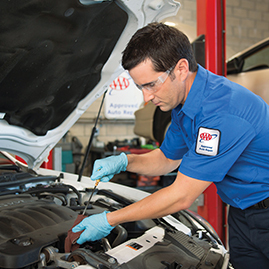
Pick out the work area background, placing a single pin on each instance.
(247, 22)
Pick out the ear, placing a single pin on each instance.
(182, 69)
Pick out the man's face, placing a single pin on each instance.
(163, 89)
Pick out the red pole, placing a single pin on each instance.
(49, 163)
(211, 21)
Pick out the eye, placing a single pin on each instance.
(152, 84)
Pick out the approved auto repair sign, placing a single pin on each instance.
(122, 99)
(207, 142)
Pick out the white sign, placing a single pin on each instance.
(123, 98)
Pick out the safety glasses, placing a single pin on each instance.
(155, 85)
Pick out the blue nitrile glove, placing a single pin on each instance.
(106, 168)
(95, 228)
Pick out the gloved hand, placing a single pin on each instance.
(105, 169)
(95, 228)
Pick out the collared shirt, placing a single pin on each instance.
(222, 135)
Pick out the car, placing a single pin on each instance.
(249, 68)
(58, 57)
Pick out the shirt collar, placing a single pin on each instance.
(193, 102)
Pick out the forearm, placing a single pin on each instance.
(180, 195)
(153, 163)
(154, 206)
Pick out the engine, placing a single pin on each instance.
(28, 225)
(33, 228)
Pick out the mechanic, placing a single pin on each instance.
(219, 133)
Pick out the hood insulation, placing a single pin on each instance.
(51, 56)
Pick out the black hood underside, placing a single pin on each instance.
(51, 56)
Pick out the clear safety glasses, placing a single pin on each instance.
(153, 86)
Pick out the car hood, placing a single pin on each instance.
(56, 58)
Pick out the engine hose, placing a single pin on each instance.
(121, 237)
(60, 197)
(75, 191)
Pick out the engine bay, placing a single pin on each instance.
(37, 211)
(34, 225)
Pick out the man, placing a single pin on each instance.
(219, 130)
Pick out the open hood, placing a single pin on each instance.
(56, 58)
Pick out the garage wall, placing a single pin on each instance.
(247, 22)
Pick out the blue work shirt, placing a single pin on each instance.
(221, 134)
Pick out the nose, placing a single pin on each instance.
(147, 95)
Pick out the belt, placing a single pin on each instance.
(262, 204)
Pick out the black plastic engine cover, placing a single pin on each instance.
(27, 225)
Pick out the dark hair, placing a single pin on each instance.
(162, 44)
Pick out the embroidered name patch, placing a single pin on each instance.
(207, 142)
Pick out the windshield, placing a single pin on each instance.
(260, 59)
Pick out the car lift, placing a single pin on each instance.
(211, 22)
